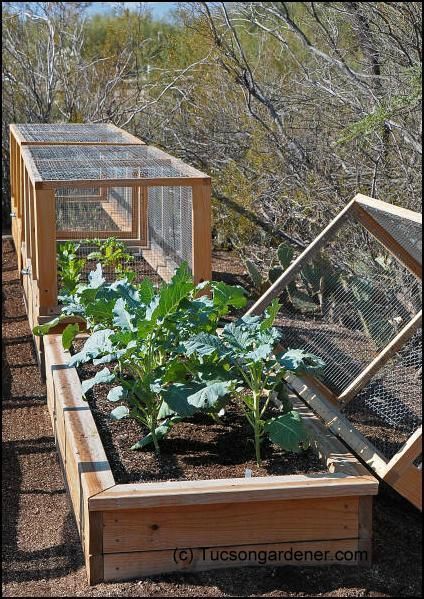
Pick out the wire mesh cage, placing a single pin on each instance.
(161, 225)
(170, 222)
(155, 204)
(94, 162)
(389, 408)
(96, 212)
(354, 298)
(74, 133)
(41, 134)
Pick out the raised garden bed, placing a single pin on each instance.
(197, 448)
(140, 529)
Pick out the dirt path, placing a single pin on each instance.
(41, 551)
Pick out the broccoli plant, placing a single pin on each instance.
(167, 361)
(139, 330)
(246, 351)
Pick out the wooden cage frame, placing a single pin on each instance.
(400, 471)
(17, 141)
(34, 227)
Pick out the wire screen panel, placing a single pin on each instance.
(170, 223)
(72, 133)
(114, 267)
(95, 211)
(406, 232)
(389, 409)
(71, 163)
(347, 304)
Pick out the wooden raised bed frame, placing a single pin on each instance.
(134, 530)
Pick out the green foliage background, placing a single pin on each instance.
(288, 134)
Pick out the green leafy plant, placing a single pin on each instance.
(139, 329)
(69, 266)
(247, 352)
(111, 253)
(161, 350)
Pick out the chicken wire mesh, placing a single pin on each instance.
(406, 232)
(72, 133)
(348, 303)
(94, 211)
(389, 409)
(166, 223)
(87, 163)
(170, 223)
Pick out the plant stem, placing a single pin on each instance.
(257, 427)
(215, 417)
(154, 423)
(155, 440)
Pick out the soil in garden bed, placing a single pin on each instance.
(198, 448)
(227, 267)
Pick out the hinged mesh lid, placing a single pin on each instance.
(354, 298)
(408, 233)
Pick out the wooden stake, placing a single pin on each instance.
(45, 218)
(201, 232)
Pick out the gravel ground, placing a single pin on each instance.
(41, 551)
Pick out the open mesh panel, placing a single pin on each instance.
(93, 211)
(99, 212)
(347, 304)
(406, 232)
(72, 163)
(389, 409)
(170, 223)
(72, 132)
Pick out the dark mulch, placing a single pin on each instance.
(198, 448)
(41, 551)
